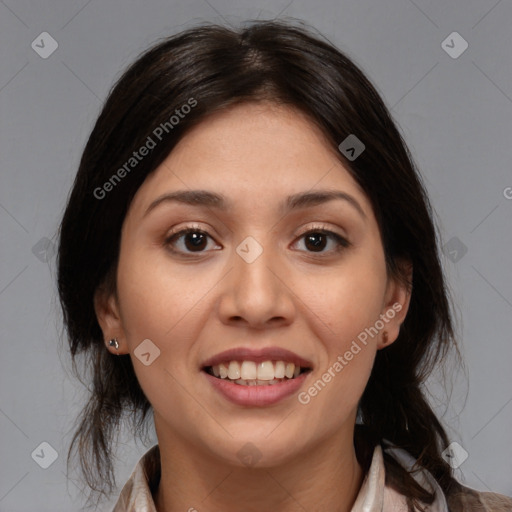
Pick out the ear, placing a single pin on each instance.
(396, 304)
(106, 307)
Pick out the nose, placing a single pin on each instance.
(257, 294)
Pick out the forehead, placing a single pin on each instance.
(254, 155)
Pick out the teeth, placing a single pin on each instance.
(266, 371)
(258, 382)
(234, 370)
(290, 368)
(249, 373)
(279, 370)
(222, 369)
(248, 370)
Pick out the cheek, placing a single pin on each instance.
(156, 303)
(345, 301)
(338, 384)
(155, 307)
(335, 394)
(165, 307)
(349, 352)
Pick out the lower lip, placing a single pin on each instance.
(257, 395)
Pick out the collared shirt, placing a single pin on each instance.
(373, 496)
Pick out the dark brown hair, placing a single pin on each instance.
(217, 67)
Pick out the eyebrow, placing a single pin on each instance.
(220, 202)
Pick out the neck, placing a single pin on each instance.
(321, 479)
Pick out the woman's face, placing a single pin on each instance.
(257, 273)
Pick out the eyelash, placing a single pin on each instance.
(342, 243)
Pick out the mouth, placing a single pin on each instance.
(252, 373)
(256, 377)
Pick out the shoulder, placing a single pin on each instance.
(458, 498)
(465, 499)
(138, 492)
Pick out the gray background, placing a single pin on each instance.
(455, 114)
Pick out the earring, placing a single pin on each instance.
(384, 338)
(113, 342)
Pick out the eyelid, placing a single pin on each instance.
(319, 227)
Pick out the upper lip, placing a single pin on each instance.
(258, 356)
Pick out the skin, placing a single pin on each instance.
(193, 305)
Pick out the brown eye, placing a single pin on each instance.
(317, 240)
(193, 240)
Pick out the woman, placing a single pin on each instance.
(249, 253)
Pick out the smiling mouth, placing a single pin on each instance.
(250, 373)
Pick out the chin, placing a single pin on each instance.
(258, 450)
